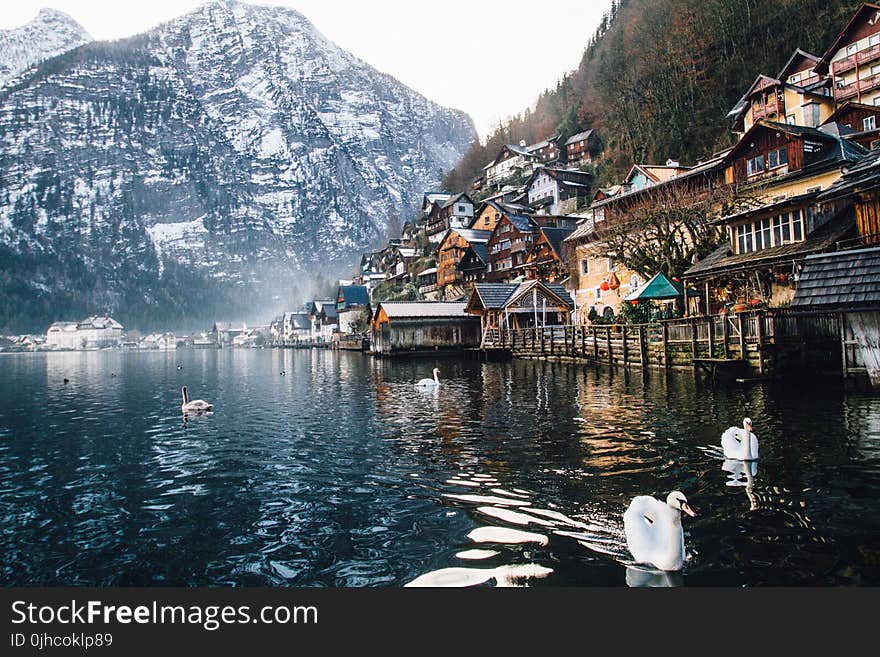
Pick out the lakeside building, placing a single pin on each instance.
(452, 249)
(519, 305)
(352, 307)
(412, 327)
(296, 327)
(91, 333)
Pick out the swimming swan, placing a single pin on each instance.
(740, 444)
(653, 530)
(430, 383)
(194, 406)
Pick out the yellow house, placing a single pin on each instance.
(784, 168)
(596, 281)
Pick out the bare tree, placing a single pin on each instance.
(669, 229)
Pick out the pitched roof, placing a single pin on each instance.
(494, 295)
(823, 65)
(423, 309)
(861, 176)
(578, 137)
(522, 223)
(480, 251)
(472, 235)
(556, 236)
(354, 295)
(454, 199)
(787, 71)
(659, 288)
(846, 278)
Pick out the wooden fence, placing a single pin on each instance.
(756, 341)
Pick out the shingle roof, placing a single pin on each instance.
(581, 135)
(523, 223)
(494, 295)
(423, 309)
(845, 279)
(556, 236)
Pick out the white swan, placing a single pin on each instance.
(653, 530)
(194, 406)
(740, 444)
(430, 383)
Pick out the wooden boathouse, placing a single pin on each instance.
(412, 328)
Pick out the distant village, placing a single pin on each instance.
(534, 242)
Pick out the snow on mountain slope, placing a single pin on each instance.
(205, 167)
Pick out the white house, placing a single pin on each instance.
(91, 333)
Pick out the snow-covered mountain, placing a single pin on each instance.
(202, 169)
(50, 33)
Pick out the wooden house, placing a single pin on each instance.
(520, 305)
(546, 151)
(786, 167)
(474, 264)
(549, 188)
(858, 122)
(451, 250)
(853, 60)
(546, 259)
(509, 245)
(427, 281)
(456, 212)
(860, 186)
(422, 327)
(797, 95)
(581, 148)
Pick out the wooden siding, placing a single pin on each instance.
(868, 217)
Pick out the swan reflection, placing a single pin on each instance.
(643, 578)
(743, 473)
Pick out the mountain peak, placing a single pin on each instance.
(49, 33)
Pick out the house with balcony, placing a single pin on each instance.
(785, 168)
(551, 190)
(513, 161)
(546, 151)
(452, 249)
(546, 259)
(509, 246)
(581, 148)
(427, 282)
(474, 264)
(853, 60)
(797, 95)
(455, 212)
(398, 264)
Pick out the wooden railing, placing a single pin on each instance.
(672, 343)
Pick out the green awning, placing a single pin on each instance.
(659, 288)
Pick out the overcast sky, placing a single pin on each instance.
(490, 58)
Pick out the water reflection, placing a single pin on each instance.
(343, 473)
(641, 578)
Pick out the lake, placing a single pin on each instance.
(342, 473)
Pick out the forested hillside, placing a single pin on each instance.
(658, 77)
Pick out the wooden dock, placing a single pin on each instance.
(754, 344)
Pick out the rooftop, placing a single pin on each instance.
(845, 278)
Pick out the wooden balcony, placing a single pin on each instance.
(856, 88)
(862, 57)
(768, 110)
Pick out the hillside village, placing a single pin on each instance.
(534, 241)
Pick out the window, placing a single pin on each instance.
(777, 230)
(874, 39)
(461, 209)
(777, 158)
(585, 266)
(797, 225)
(795, 78)
(744, 238)
(762, 234)
(755, 165)
(598, 293)
(875, 69)
(852, 48)
(869, 123)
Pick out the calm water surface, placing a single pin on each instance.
(341, 473)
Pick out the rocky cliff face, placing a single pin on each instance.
(202, 169)
(49, 34)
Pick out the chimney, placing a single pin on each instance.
(522, 142)
(672, 163)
